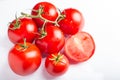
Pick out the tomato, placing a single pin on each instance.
(72, 22)
(52, 42)
(24, 59)
(49, 12)
(79, 47)
(22, 28)
(56, 64)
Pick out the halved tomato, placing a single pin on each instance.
(79, 47)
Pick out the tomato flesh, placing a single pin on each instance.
(79, 47)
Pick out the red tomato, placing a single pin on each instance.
(52, 42)
(79, 47)
(22, 28)
(24, 59)
(72, 22)
(56, 64)
(49, 12)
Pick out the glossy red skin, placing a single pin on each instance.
(27, 30)
(24, 62)
(73, 21)
(50, 12)
(53, 42)
(56, 69)
(79, 47)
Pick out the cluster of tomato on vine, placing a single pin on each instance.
(51, 33)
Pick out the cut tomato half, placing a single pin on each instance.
(79, 47)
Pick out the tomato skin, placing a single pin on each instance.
(79, 47)
(27, 29)
(56, 69)
(73, 21)
(49, 12)
(53, 42)
(24, 62)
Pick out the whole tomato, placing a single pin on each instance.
(46, 10)
(24, 58)
(72, 22)
(51, 40)
(22, 28)
(56, 64)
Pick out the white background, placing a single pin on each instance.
(102, 21)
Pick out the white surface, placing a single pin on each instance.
(102, 21)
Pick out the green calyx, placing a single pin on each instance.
(57, 58)
(23, 46)
(16, 25)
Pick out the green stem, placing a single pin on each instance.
(42, 31)
(40, 11)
